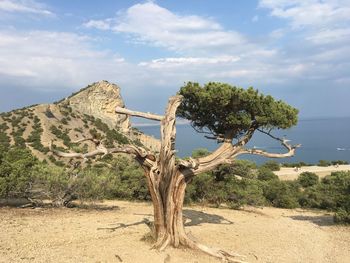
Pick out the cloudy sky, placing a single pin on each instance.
(295, 50)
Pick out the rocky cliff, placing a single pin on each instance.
(100, 100)
(85, 114)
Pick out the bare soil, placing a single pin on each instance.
(287, 173)
(112, 231)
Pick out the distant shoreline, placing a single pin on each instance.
(289, 173)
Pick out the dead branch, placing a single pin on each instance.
(144, 157)
(284, 142)
(145, 115)
(95, 141)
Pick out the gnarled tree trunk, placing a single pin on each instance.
(167, 178)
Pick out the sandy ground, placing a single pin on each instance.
(114, 229)
(291, 174)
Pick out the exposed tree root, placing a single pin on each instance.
(188, 242)
(218, 253)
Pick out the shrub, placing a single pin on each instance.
(342, 216)
(16, 172)
(64, 121)
(61, 135)
(200, 152)
(282, 194)
(339, 162)
(323, 163)
(307, 179)
(272, 165)
(265, 174)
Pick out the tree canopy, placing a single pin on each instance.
(218, 108)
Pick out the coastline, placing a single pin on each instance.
(289, 173)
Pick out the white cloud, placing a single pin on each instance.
(23, 6)
(318, 35)
(51, 60)
(326, 36)
(151, 24)
(312, 13)
(188, 61)
(98, 24)
(44, 59)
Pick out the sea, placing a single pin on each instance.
(321, 139)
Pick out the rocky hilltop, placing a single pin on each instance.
(100, 100)
(88, 113)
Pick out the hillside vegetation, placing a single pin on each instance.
(24, 176)
(85, 114)
(29, 170)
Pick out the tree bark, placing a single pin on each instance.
(167, 178)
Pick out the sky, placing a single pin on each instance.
(294, 50)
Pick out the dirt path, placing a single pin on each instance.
(114, 229)
(291, 174)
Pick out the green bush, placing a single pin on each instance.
(200, 152)
(324, 163)
(272, 165)
(16, 172)
(282, 194)
(339, 162)
(342, 216)
(265, 174)
(307, 179)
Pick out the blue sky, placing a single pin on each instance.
(295, 50)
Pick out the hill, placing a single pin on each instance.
(88, 113)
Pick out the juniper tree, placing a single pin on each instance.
(228, 114)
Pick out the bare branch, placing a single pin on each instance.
(284, 142)
(145, 115)
(142, 156)
(290, 153)
(95, 141)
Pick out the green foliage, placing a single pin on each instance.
(111, 134)
(16, 172)
(242, 168)
(272, 165)
(35, 136)
(342, 216)
(307, 179)
(4, 139)
(63, 135)
(95, 134)
(220, 107)
(49, 113)
(17, 134)
(265, 174)
(200, 152)
(282, 194)
(324, 163)
(299, 164)
(21, 173)
(339, 162)
(64, 121)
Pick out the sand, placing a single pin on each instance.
(291, 174)
(112, 232)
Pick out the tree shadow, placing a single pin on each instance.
(197, 217)
(324, 220)
(145, 221)
(98, 207)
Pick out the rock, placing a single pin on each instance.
(100, 100)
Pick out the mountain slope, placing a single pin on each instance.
(85, 114)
